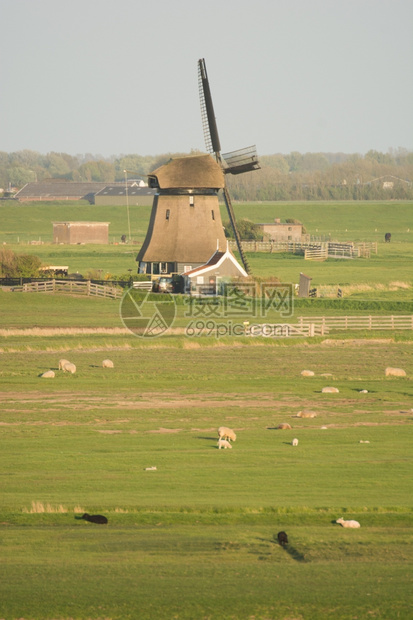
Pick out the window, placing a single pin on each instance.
(191, 201)
(164, 267)
(167, 213)
(213, 214)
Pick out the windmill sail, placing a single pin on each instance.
(235, 162)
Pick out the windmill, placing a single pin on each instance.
(235, 162)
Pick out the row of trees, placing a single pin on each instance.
(317, 176)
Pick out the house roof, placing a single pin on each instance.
(120, 190)
(216, 260)
(192, 172)
(58, 188)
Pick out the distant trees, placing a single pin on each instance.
(296, 176)
(247, 230)
(18, 265)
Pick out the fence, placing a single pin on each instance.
(72, 287)
(367, 322)
(335, 248)
(319, 254)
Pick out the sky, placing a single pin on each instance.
(118, 77)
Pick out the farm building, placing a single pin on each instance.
(55, 189)
(282, 231)
(81, 232)
(207, 278)
(134, 194)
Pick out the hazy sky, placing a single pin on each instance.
(112, 77)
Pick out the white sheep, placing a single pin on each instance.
(49, 374)
(107, 364)
(394, 372)
(307, 373)
(349, 523)
(223, 443)
(68, 367)
(294, 442)
(226, 433)
(62, 362)
(284, 426)
(330, 390)
(306, 414)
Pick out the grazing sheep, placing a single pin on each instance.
(366, 441)
(307, 373)
(284, 426)
(226, 433)
(394, 372)
(349, 523)
(223, 443)
(68, 367)
(107, 364)
(294, 442)
(306, 414)
(94, 518)
(282, 538)
(62, 362)
(364, 392)
(49, 374)
(330, 390)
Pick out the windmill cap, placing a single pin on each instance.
(191, 172)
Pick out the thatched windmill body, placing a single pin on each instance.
(185, 227)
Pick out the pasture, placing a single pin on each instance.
(386, 275)
(197, 536)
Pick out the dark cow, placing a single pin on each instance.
(387, 237)
(282, 538)
(94, 518)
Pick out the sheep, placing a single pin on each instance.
(94, 518)
(364, 441)
(330, 390)
(69, 367)
(49, 374)
(364, 392)
(226, 433)
(284, 426)
(394, 372)
(223, 443)
(107, 364)
(307, 373)
(62, 362)
(349, 523)
(282, 539)
(306, 414)
(294, 442)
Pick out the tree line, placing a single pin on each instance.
(296, 176)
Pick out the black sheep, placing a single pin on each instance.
(94, 518)
(282, 538)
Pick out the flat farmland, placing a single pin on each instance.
(192, 530)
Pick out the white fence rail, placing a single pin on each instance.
(363, 322)
(335, 248)
(72, 287)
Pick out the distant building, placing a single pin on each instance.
(81, 232)
(206, 279)
(135, 194)
(280, 231)
(55, 189)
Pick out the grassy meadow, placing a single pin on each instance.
(385, 275)
(196, 538)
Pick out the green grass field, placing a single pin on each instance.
(196, 538)
(385, 275)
